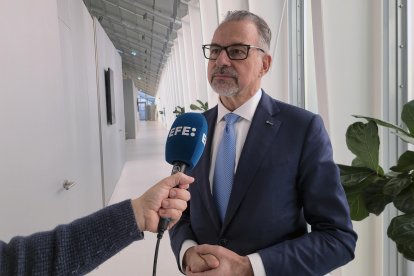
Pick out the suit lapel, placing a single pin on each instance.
(261, 135)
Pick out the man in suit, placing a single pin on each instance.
(284, 175)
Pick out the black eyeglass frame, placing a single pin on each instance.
(204, 46)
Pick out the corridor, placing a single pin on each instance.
(145, 165)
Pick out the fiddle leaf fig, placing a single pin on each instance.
(401, 231)
(363, 141)
(369, 190)
(358, 163)
(401, 228)
(405, 137)
(396, 184)
(351, 176)
(357, 198)
(383, 123)
(407, 116)
(405, 162)
(375, 200)
(407, 249)
(404, 201)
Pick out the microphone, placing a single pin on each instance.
(185, 145)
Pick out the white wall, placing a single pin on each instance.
(353, 62)
(350, 83)
(48, 134)
(275, 13)
(50, 125)
(113, 136)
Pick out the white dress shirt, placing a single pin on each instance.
(242, 126)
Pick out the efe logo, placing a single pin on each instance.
(186, 131)
(183, 130)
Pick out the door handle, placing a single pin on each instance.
(68, 184)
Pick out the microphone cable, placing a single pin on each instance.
(163, 223)
(162, 226)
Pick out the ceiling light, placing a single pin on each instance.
(139, 78)
(134, 53)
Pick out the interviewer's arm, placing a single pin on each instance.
(79, 247)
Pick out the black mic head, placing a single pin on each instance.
(186, 139)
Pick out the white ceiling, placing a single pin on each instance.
(146, 27)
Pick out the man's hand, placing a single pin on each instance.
(219, 261)
(194, 262)
(168, 198)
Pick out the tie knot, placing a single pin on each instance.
(231, 118)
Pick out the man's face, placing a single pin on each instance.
(236, 77)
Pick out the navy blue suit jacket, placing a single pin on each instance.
(286, 178)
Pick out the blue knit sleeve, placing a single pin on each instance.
(72, 249)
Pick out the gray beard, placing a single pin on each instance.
(222, 90)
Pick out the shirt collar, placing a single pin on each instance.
(246, 110)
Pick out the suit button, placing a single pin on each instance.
(223, 242)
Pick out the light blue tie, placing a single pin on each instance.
(224, 168)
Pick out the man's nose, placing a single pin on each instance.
(223, 58)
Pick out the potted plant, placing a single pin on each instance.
(369, 189)
(179, 110)
(201, 106)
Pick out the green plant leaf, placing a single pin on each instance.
(407, 115)
(401, 231)
(363, 141)
(407, 249)
(351, 175)
(406, 138)
(396, 184)
(358, 163)
(194, 107)
(375, 200)
(401, 228)
(383, 123)
(202, 106)
(404, 201)
(405, 162)
(354, 195)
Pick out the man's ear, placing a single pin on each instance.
(266, 63)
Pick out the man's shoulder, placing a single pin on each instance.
(287, 108)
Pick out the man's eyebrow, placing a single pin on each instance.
(233, 44)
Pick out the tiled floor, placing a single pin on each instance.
(145, 165)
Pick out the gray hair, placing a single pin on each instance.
(265, 34)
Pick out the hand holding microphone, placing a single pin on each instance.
(185, 145)
(166, 198)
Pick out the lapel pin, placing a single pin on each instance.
(269, 123)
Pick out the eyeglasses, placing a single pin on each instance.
(234, 52)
